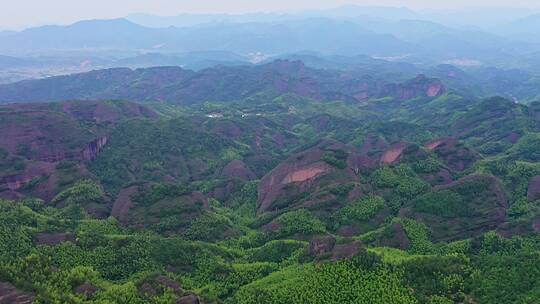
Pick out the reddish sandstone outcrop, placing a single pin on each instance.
(306, 174)
(453, 153)
(156, 285)
(349, 230)
(346, 251)
(274, 184)
(435, 89)
(442, 177)
(44, 177)
(169, 283)
(35, 170)
(9, 294)
(533, 192)
(421, 86)
(86, 289)
(434, 144)
(54, 238)
(321, 246)
(301, 173)
(393, 154)
(326, 248)
(45, 134)
(393, 236)
(91, 151)
(237, 169)
(536, 224)
(123, 203)
(189, 299)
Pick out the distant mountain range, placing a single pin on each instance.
(391, 43)
(524, 29)
(220, 84)
(479, 17)
(411, 40)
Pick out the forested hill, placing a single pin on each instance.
(219, 84)
(282, 197)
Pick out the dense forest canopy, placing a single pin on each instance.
(281, 200)
(313, 157)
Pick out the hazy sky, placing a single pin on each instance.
(22, 13)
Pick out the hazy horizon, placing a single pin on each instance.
(17, 15)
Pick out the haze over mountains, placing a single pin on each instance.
(504, 38)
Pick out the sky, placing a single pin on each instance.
(17, 14)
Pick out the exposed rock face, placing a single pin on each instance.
(454, 153)
(399, 239)
(91, 151)
(536, 224)
(86, 289)
(321, 246)
(371, 152)
(513, 137)
(38, 132)
(237, 169)
(15, 182)
(345, 251)
(147, 290)
(394, 237)
(274, 225)
(156, 286)
(123, 203)
(87, 153)
(274, 184)
(54, 238)
(189, 299)
(393, 154)
(223, 193)
(47, 176)
(43, 135)
(169, 283)
(533, 192)
(10, 295)
(421, 86)
(326, 248)
(40, 135)
(442, 177)
(349, 230)
(435, 89)
(301, 174)
(435, 144)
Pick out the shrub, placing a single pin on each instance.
(336, 158)
(209, 227)
(428, 165)
(361, 210)
(275, 251)
(300, 221)
(418, 236)
(85, 191)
